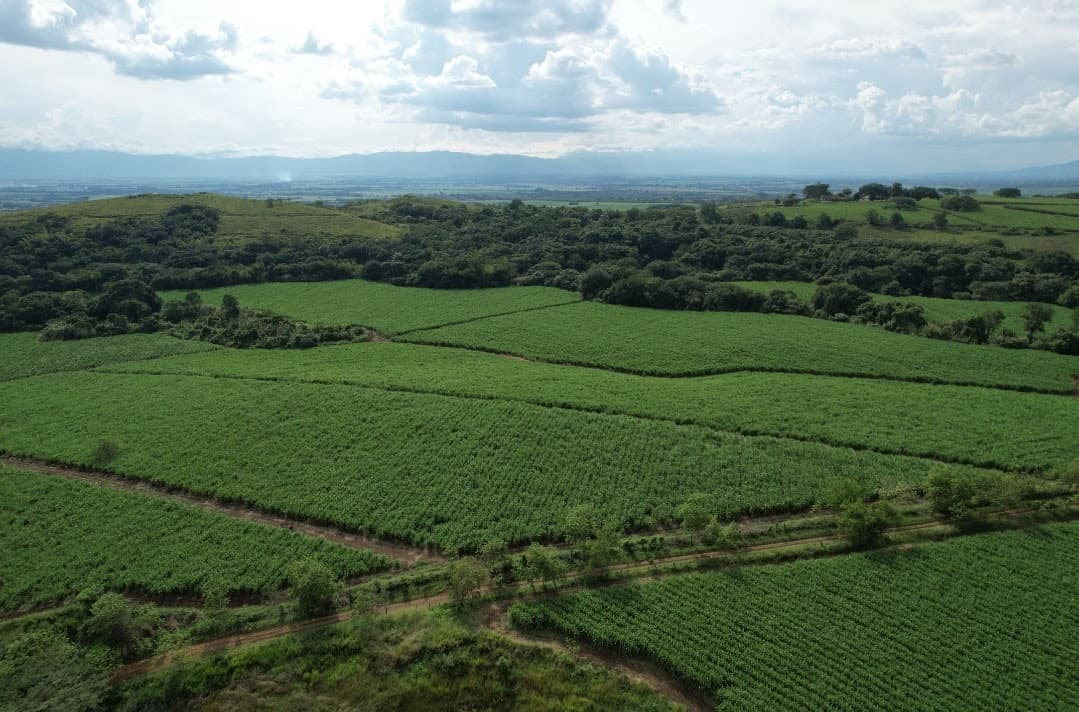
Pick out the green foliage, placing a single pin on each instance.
(105, 453)
(743, 636)
(91, 536)
(695, 512)
(954, 493)
(863, 525)
(640, 341)
(466, 576)
(380, 306)
(42, 670)
(417, 467)
(314, 586)
(117, 623)
(1013, 430)
(416, 662)
(1008, 193)
(839, 298)
(1035, 317)
(961, 203)
(24, 355)
(840, 492)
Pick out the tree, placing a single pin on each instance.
(940, 221)
(1008, 193)
(726, 537)
(897, 222)
(116, 623)
(709, 212)
(604, 549)
(580, 523)
(315, 587)
(839, 298)
(466, 576)
(816, 191)
(1035, 317)
(230, 307)
(873, 191)
(863, 525)
(695, 512)
(537, 563)
(961, 204)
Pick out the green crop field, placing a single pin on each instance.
(935, 309)
(682, 343)
(381, 306)
(62, 537)
(23, 355)
(417, 467)
(241, 218)
(975, 425)
(984, 622)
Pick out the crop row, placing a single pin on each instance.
(656, 342)
(24, 355)
(974, 425)
(381, 306)
(416, 467)
(985, 622)
(62, 537)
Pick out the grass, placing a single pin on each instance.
(416, 467)
(936, 309)
(419, 661)
(975, 425)
(241, 218)
(381, 306)
(62, 537)
(981, 622)
(659, 342)
(24, 355)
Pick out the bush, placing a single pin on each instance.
(863, 525)
(961, 204)
(105, 453)
(315, 587)
(839, 298)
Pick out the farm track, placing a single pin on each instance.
(691, 422)
(407, 555)
(487, 316)
(522, 591)
(636, 669)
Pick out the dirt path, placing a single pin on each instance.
(521, 591)
(635, 669)
(407, 555)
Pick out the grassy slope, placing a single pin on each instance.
(984, 622)
(417, 467)
(935, 309)
(419, 661)
(24, 355)
(979, 425)
(241, 218)
(61, 537)
(679, 343)
(382, 306)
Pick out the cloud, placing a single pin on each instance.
(311, 45)
(121, 31)
(673, 8)
(505, 20)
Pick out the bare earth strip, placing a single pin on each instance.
(407, 555)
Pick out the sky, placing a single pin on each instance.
(966, 84)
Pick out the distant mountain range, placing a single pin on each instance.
(23, 164)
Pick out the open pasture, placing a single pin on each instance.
(241, 218)
(62, 537)
(984, 622)
(665, 343)
(416, 467)
(381, 306)
(976, 425)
